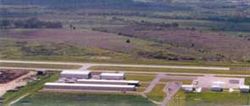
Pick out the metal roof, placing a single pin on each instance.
(118, 81)
(187, 86)
(89, 85)
(244, 87)
(74, 72)
(216, 86)
(112, 74)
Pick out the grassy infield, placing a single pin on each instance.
(68, 99)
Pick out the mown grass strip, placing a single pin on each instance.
(82, 99)
(55, 66)
(140, 77)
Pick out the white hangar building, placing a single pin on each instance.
(76, 86)
(112, 76)
(118, 82)
(75, 74)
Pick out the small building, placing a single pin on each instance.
(112, 76)
(188, 88)
(244, 89)
(76, 86)
(75, 74)
(41, 72)
(118, 82)
(198, 89)
(216, 88)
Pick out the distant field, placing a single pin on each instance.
(168, 70)
(208, 31)
(73, 99)
(39, 65)
(81, 45)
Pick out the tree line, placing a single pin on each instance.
(29, 23)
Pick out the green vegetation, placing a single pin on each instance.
(152, 21)
(31, 88)
(11, 48)
(157, 93)
(213, 98)
(146, 78)
(22, 50)
(53, 66)
(247, 80)
(210, 99)
(78, 99)
(168, 70)
(178, 99)
(183, 81)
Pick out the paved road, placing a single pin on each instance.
(170, 89)
(87, 65)
(160, 76)
(153, 83)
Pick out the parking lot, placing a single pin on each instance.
(224, 82)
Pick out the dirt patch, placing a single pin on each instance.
(9, 75)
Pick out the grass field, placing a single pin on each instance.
(147, 78)
(76, 99)
(81, 46)
(210, 99)
(183, 81)
(168, 70)
(178, 99)
(247, 80)
(40, 65)
(31, 88)
(157, 93)
(217, 99)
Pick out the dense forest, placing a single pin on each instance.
(106, 4)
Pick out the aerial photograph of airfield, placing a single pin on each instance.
(124, 52)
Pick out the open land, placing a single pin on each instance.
(185, 39)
